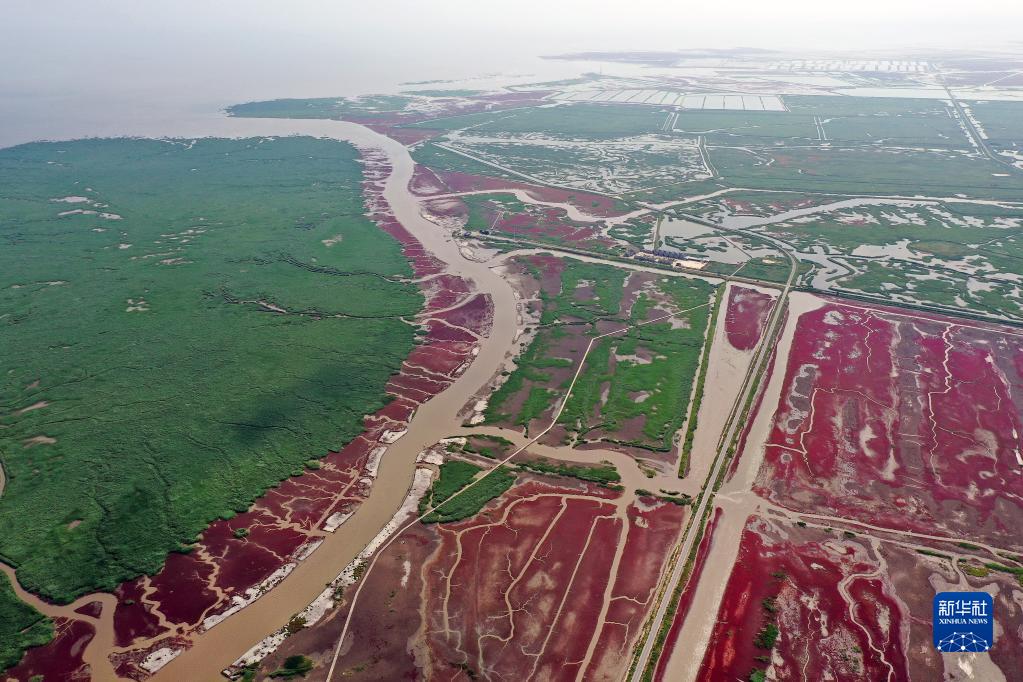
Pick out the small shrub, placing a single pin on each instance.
(294, 666)
(295, 624)
(928, 552)
(975, 571)
(767, 636)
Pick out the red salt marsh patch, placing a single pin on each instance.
(548, 223)
(61, 659)
(407, 136)
(746, 315)
(516, 589)
(181, 589)
(419, 389)
(444, 291)
(910, 423)
(382, 651)
(736, 207)
(442, 357)
(476, 314)
(549, 269)
(133, 618)
(803, 581)
(653, 528)
(507, 582)
(437, 330)
(427, 182)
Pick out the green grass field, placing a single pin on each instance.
(865, 170)
(591, 121)
(605, 395)
(440, 159)
(668, 377)
(534, 365)
(694, 408)
(747, 127)
(844, 120)
(320, 107)
(889, 121)
(635, 231)
(1002, 121)
(933, 249)
(482, 207)
(163, 392)
(454, 476)
(604, 474)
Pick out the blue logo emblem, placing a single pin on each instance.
(963, 621)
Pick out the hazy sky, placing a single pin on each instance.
(90, 59)
(47, 41)
(631, 23)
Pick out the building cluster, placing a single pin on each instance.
(671, 259)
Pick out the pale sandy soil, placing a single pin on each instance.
(38, 440)
(34, 406)
(726, 370)
(572, 211)
(737, 503)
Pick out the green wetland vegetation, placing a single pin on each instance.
(603, 474)
(666, 379)
(150, 383)
(866, 170)
(821, 149)
(590, 121)
(1001, 121)
(615, 385)
(21, 626)
(439, 159)
(454, 476)
(320, 107)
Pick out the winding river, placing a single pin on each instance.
(220, 646)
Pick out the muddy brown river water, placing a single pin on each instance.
(220, 646)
